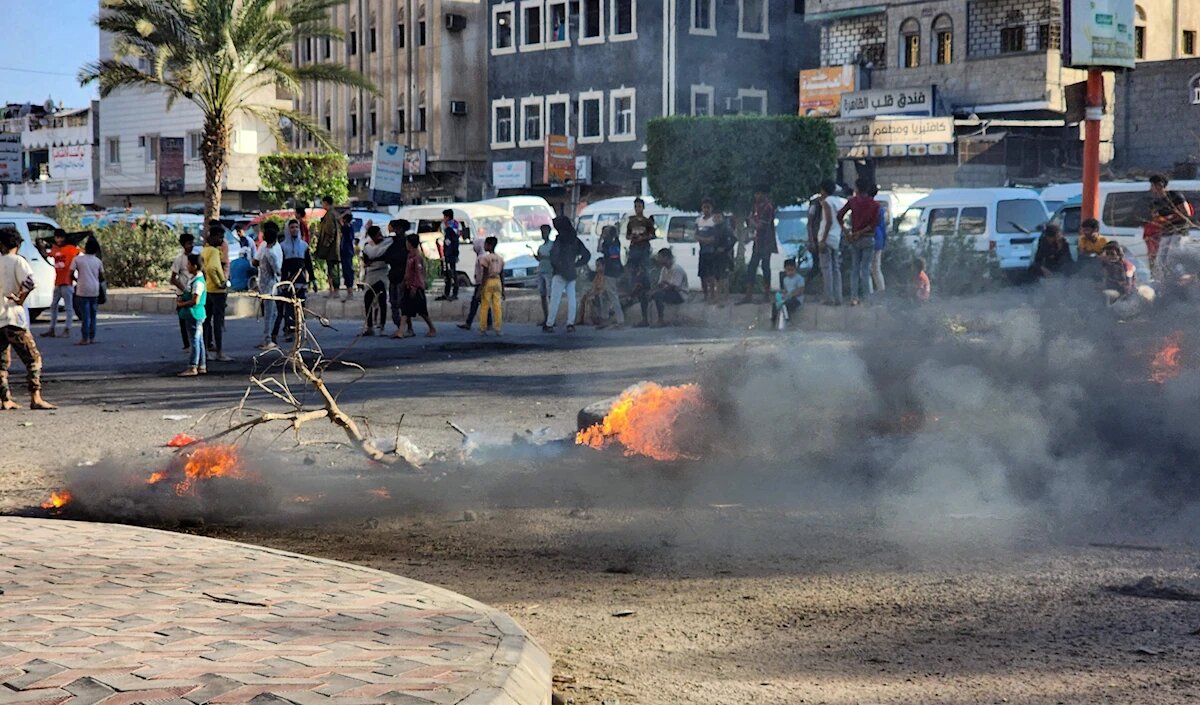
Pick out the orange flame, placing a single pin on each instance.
(1165, 364)
(646, 421)
(180, 440)
(58, 499)
(208, 462)
(156, 477)
(381, 493)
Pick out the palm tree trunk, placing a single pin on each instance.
(214, 148)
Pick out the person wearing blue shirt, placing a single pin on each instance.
(885, 218)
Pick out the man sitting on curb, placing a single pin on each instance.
(672, 284)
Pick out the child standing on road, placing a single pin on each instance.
(192, 312)
(922, 289)
(62, 255)
(491, 271)
(412, 301)
(88, 271)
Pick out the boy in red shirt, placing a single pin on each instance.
(61, 255)
(921, 287)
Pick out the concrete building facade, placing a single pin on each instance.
(60, 160)
(428, 58)
(1157, 117)
(599, 70)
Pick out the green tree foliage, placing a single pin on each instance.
(728, 158)
(136, 253)
(288, 178)
(228, 57)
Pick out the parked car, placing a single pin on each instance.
(1124, 208)
(1005, 221)
(515, 244)
(33, 227)
(532, 212)
(1068, 217)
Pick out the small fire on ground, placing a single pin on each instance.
(1165, 363)
(650, 420)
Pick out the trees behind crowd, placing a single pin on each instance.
(290, 178)
(728, 158)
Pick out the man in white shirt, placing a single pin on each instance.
(181, 279)
(829, 243)
(269, 261)
(16, 282)
(672, 287)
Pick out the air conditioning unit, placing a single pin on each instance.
(458, 107)
(455, 22)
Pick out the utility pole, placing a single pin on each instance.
(1094, 113)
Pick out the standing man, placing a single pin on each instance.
(860, 238)
(216, 282)
(302, 218)
(270, 268)
(706, 236)
(297, 272)
(328, 249)
(762, 223)
(567, 255)
(16, 281)
(181, 279)
(346, 253)
(491, 271)
(61, 255)
(722, 258)
(1173, 214)
(640, 231)
(545, 270)
(375, 276)
(885, 217)
(829, 242)
(451, 238)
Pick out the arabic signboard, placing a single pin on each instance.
(510, 174)
(387, 168)
(821, 89)
(170, 166)
(10, 157)
(416, 162)
(888, 101)
(894, 138)
(560, 159)
(73, 161)
(583, 169)
(1099, 34)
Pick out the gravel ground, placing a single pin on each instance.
(735, 595)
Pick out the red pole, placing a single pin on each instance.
(1091, 143)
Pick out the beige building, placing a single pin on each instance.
(1167, 29)
(429, 60)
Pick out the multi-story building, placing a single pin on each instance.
(1166, 29)
(59, 160)
(136, 119)
(599, 70)
(428, 58)
(993, 66)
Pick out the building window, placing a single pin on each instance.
(623, 23)
(623, 114)
(1012, 39)
(371, 40)
(502, 28)
(704, 17)
(327, 52)
(401, 121)
(354, 124)
(558, 111)
(558, 32)
(400, 38)
(943, 40)
(531, 25)
(149, 145)
(502, 124)
(531, 122)
(591, 117)
(112, 150)
(194, 140)
(372, 125)
(910, 43)
(352, 42)
(702, 101)
(591, 14)
(306, 50)
(752, 101)
(1189, 42)
(421, 33)
(420, 126)
(1048, 36)
(328, 117)
(752, 19)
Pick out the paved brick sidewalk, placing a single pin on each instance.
(101, 614)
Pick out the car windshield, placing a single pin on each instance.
(1068, 219)
(792, 226)
(586, 225)
(908, 223)
(532, 217)
(503, 228)
(1020, 216)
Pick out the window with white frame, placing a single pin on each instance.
(622, 114)
(533, 28)
(502, 123)
(752, 101)
(591, 21)
(622, 23)
(558, 114)
(752, 19)
(702, 101)
(531, 122)
(112, 150)
(149, 145)
(591, 117)
(558, 31)
(194, 140)
(503, 41)
(704, 17)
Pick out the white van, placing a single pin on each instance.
(531, 212)
(1055, 195)
(1003, 220)
(516, 245)
(33, 227)
(675, 229)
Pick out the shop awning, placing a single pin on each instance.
(843, 14)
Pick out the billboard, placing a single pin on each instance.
(387, 167)
(510, 174)
(821, 89)
(1099, 34)
(560, 160)
(416, 162)
(10, 157)
(72, 161)
(170, 166)
(888, 101)
(932, 136)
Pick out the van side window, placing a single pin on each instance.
(1127, 210)
(973, 222)
(585, 226)
(942, 222)
(682, 229)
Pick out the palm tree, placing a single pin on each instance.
(222, 55)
